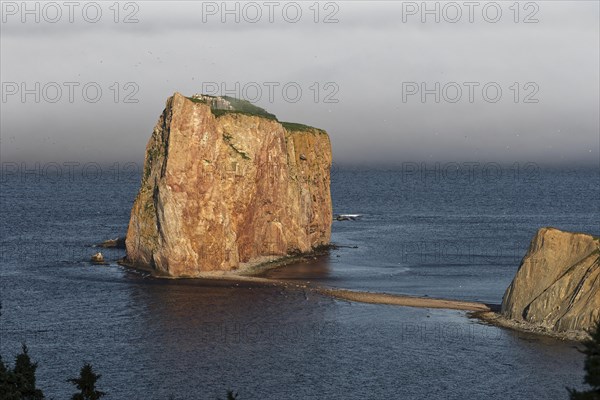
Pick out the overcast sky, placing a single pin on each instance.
(361, 77)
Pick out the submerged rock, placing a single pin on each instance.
(97, 258)
(117, 243)
(347, 217)
(225, 189)
(557, 286)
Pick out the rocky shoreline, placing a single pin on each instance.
(499, 320)
(246, 270)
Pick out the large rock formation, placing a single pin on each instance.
(226, 189)
(557, 286)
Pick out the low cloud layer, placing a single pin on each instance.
(387, 86)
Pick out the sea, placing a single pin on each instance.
(454, 230)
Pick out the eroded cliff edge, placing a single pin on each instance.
(557, 286)
(223, 190)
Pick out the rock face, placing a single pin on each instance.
(224, 190)
(557, 286)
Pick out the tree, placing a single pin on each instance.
(86, 384)
(19, 383)
(7, 387)
(24, 372)
(591, 366)
(231, 395)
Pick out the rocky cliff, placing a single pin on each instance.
(224, 190)
(557, 286)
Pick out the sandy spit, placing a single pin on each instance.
(402, 300)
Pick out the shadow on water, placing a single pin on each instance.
(313, 269)
(229, 330)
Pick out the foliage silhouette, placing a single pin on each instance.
(86, 384)
(592, 368)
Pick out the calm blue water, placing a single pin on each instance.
(444, 234)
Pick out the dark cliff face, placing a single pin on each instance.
(557, 285)
(223, 191)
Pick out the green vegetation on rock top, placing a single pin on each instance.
(194, 100)
(239, 107)
(244, 107)
(218, 113)
(295, 127)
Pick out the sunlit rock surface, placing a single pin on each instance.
(224, 190)
(557, 286)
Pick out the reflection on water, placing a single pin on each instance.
(313, 269)
(213, 335)
(212, 312)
